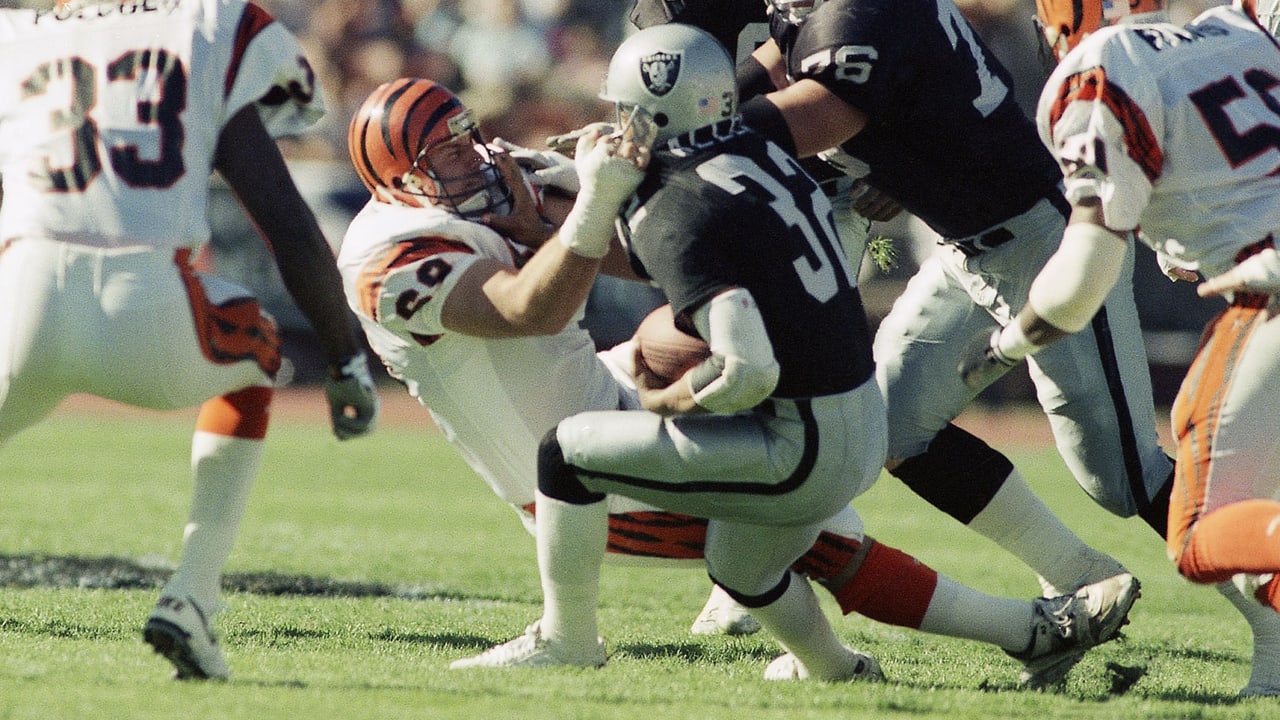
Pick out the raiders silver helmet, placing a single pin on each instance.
(669, 79)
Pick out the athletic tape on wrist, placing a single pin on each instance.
(586, 233)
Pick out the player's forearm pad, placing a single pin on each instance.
(1075, 281)
(742, 371)
(606, 181)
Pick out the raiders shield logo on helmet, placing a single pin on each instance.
(660, 71)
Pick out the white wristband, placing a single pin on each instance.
(587, 233)
(1013, 344)
(606, 182)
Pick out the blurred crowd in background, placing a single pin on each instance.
(532, 68)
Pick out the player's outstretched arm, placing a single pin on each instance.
(1258, 273)
(250, 162)
(495, 300)
(1068, 291)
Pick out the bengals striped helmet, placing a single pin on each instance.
(392, 135)
(1064, 23)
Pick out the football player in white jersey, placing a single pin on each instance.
(1171, 135)
(443, 302)
(112, 117)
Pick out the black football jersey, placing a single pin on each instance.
(945, 137)
(723, 207)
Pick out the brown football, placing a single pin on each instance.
(667, 350)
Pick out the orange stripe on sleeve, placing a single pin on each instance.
(252, 22)
(1139, 139)
(406, 252)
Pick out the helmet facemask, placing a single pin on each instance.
(462, 185)
(636, 124)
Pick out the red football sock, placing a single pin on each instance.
(891, 587)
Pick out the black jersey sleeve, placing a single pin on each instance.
(945, 136)
(725, 19)
(744, 214)
(854, 49)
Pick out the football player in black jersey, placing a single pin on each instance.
(745, 26)
(910, 93)
(774, 433)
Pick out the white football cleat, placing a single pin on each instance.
(861, 667)
(722, 615)
(183, 633)
(531, 650)
(1065, 627)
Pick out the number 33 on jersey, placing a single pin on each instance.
(64, 165)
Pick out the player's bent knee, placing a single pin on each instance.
(1186, 563)
(1117, 501)
(557, 478)
(958, 473)
(1192, 554)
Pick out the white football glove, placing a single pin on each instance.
(549, 168)
(606, 181)
(604, 178)
(353, 399)
(1258, 273)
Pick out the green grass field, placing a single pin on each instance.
(363, 568)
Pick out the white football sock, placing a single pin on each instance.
(224, 470)
(797, 623)
(1021, 523)
(1265, 626)
(960, 611)
(571, 543)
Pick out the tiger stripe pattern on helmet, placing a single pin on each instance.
(1064, 23)
(393, 127)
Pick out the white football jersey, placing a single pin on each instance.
(495, 398)
(1176, 130)
(110, 113)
